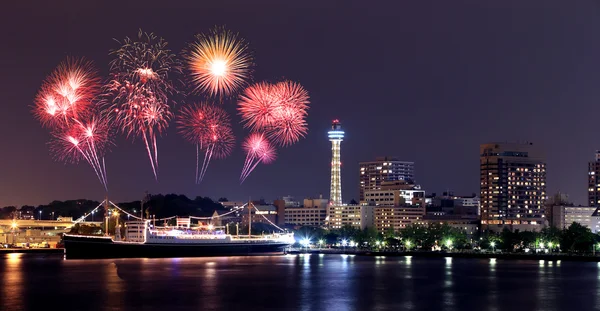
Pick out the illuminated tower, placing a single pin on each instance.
(336, 135)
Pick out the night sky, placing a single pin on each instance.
(426, 81)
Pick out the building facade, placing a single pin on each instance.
(563, 216)
(356, 216)
(512, 186)
(594, 181)
(374, 173)
(397, 217)
(394, 197)
(306, 216)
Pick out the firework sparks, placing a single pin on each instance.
(87, 140)
(141, 90)
(258, 150)
(277, 109)
(67, 93)
(67, 103)
(219, 63)
(208, 127)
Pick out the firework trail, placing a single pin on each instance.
(219, 63)
(67, 103)
(258, 150)
(140, 89)
(278, 109)
(208, 127)
(87, 140)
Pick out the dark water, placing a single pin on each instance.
(296, 282)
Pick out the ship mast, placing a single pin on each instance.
(106, 216)
(249, 218)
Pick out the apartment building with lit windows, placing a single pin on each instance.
(594, 181)
(512, 186)
(373, 173)
(356, 216)
(397, 217)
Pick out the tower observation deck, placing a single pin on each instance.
(336, 136)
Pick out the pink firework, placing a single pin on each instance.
(141, 89)
(279, 110)
(258, 150)
(87, 140)
(67, 93)
(208, 127)
(219, 63)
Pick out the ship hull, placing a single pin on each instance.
(77, 247)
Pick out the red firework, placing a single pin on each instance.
(87, 140)
(279, 110)
(141, 88)
(67, 93)
(208, 127)
(258, 150)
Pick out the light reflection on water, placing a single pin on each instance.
(297, 282)
(12, 281)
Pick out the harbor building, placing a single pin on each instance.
(512, 186)
(594, 181)
(373, 173)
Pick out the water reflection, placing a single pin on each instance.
(113, 286)
(308, 282)
(12, 282)
(493, 286)
(449, 302)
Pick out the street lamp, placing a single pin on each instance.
(449, 244)
(40, 215)
(93, 215)
(407, 244)
(321, 242)
(305, 242)
(493, 245)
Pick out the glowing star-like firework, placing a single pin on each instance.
(141, 88)
(87, 140)
(219, 63)
(67, 93)
(208, 127)
(279, 110)
(258, 150)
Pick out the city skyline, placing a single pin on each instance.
(442, 76)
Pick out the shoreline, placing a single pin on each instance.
(504, 256)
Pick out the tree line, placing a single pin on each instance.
(158, 205)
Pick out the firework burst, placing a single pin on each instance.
(208, 127)
(279, 110)
(67, 93)
(68, 103)
(258, 150)
(141, 89)
(219, 63)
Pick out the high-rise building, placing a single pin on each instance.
(336, 136)
(594, 181)
(374, 173)
(513, 186)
